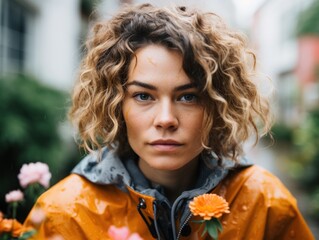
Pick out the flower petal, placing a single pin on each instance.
(208, 206)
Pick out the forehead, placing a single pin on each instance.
(154, 54)
(157, 63)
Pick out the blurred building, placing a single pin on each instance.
(275, 38)
(41, 39)
(225, 9)
(44, 39)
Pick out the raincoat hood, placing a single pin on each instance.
(110, 169)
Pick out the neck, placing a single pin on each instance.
(173, 181)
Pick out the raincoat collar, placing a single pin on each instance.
(125, 173)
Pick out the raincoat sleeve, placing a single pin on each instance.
(77, 209)
(57, 225)
(59, 221)
(261, 207)
(71, 211)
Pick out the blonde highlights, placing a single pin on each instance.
(215, 58)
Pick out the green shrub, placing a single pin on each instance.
(308, 21)
(282, 133)
(31, 115)
(306, 140)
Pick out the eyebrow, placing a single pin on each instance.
(152, 87)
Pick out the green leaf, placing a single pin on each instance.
(218, 224)
(27, 235)
(212, 229)
(198, 221)
(205, 231)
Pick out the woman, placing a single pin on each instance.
(164, 103)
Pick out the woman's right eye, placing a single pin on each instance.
(142, 97)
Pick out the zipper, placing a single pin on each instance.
(183, 225)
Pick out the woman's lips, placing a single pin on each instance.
(166, 145)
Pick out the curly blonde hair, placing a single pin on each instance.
(215, 58)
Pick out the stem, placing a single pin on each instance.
(14, 214)
(14, 209)
(33, 191)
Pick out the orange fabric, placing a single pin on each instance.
(260, 208)
(10, 226)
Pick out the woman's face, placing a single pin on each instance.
(162, 110)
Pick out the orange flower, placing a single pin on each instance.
(208, 206)
(10, 226)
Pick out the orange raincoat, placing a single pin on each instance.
(84, 207)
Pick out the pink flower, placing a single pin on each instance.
(122, 233)
(135, 236)
(37, 216)
(56, 237)
(34, 173)
(14, 196)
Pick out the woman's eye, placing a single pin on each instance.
(142, 97)
(189, 98)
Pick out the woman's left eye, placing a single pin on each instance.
(189, 98)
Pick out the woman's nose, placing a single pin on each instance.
(166, 116)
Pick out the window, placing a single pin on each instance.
(13, 34)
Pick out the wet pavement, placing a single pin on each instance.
(269, 158)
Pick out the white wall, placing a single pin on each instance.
(223, 8)
(274, 36)
(53, 42)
